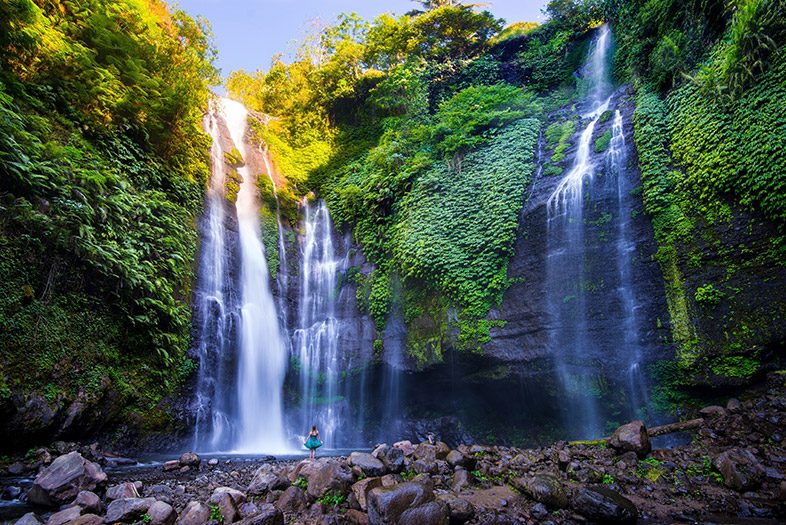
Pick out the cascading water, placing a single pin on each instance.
(591, 303)
(316, 335)
(255, 421)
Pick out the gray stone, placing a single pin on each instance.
(127, 510)
(189, 459)
(122, 491)
(393, 459)
(248, 509)
(426, 452)
(431, 513)
(89, 502)
(362, 488)
(442, 450)
(604, 505)
(733, 405)
(268, 515)
(195, 513)
(292, 500)
(171, 465)
(461, 480)
(212, 462)
(368, 464)
(405, 446)
(388, 480)
(740, 468)
(539, 511)
(28, 519)
(16, 468)
(264, 481)
(632, 437)
(161, 513)
(455, 458)
(64, 516)
(713, 411)
(227, 506)
(459, 509)
(87, 519)
(409, 503)
(326, 476)
(544, 488)
(61, 481)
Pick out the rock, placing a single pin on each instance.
(356, 517)
(189, 459)
(237, 496)
(212, 462)
(87, 519)
(388, 480)
(64, 516)
(409, 503)
(61, 481)
(28, 519)
(127, 510)
(228, 501)
(632, 437)
(405, 446)
(740, 468)
(461, 480)
(268, 515)
(442, 450)
(328, 476)
(292, 500)
(367, 463)
(160, 493)
(195, 513)
(563, 459)
(604, 505)
(712, 411)
(362, 488)
(733, 405)
(43, 456)
(122, 491)
(171, 465)
(89, 502)
(248, 509)
(544, 488)
(380, 450)
(393, 459)
(161, 513)
(426, 452)
(455, 458)
(422, 466)
(12, 492)
(16, 468)
(539, 511)
(459, 509)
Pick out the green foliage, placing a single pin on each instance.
(557, 135)
(215, 514)
(708, 296)
(333, 499)
(608, 479)
(146, 518)
(735, 366)
(301, 482)
(602, 142)
(408, 474)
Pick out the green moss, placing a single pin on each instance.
(606, 116)
(708, 296)
(735, 366)
(602, 142)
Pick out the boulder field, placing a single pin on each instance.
(734, 468)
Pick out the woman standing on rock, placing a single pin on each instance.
(313, 442)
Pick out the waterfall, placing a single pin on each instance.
(212, 425)
(248, 417)
(316, 335)
(594, 332)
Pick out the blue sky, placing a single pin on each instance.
(249, 32)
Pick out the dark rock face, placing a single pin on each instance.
(62, 481)
(603, 505)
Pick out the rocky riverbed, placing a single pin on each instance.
(733, 471)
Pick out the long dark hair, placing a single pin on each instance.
(313, 428)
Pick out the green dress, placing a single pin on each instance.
(313, 442)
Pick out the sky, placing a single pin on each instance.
(249, 32)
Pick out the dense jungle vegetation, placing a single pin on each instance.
(102, 169)
(420, 131)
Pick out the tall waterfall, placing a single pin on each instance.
(255, 421)
(591, 299)
(316, 336)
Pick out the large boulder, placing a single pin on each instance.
(89, 502)
(64, 516)
(544, 488)
(195, 513)
(122, 491)
(87, 519)
(740, 468)
(190, 459)
(393, 459)
(460, 510)
(264, 481)
(603, 505)
(326, 476)
(128, 509)
(632, 437)
(362, 488)
(227, 504)
(367, 463)
(28, 519)
(60, 482)
(409, 503)
(292, 500)
(268, 515)
(405, 446)
(161, 513)
(426, 452)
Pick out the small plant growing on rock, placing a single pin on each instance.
(146, 518)
(408, 474)
(333, 499)
(608, 479)
(301, 482)
(708, 296)
(215, 514)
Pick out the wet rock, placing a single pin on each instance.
(405, 446)
(64, 516)
(539, 511)
(604, 505)
(563, 459)
(160, 493)
(292, 500)
(712, 411)
(409, 503)
(442, 450)
(16, 468)
(122, 491)
(212, 462)
(393, 459)
(733, 405)
(362, 488)
(195, 513)
(43, 456)
(544, 488)
(368, 464)
(268, 515)
(632, 437)
(226, 504)
(388, 480)
(455, 458)
(459, 509)
(248, 509)
(265, 481)
(380, 450)
(28, 519)
(740, 468)
(89, 502)
(425, 452)
(171, 465)
(64, 479)
(161, 513)
(127, 510)
(189, 459)
(461, 480)
(422, 466)
(356, 517)
(87, 519)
